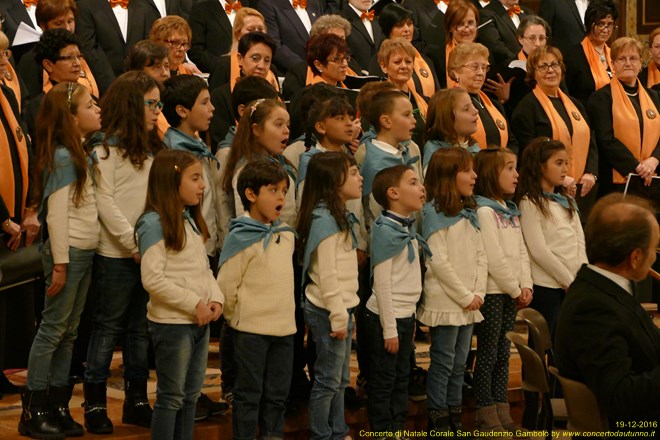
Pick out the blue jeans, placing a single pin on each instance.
(181, 355)
(263, 376)
(331, 376)
(450, 346)
(50, 355)
(121, 310)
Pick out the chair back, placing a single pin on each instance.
(538, 329)
(534, 375)
(584, 413)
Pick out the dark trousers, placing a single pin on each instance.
(389, 373)
(547, 301)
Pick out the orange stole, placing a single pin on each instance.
(14, 84)
(235, 73)
(313, 79)
(88, 80)
(626, 124)
(522, 56)
(654, 75)
(500, 123)
(578, 144)
(598, 71)
(162, 125)
(7, 188)
(448, 48)
(182, 70)
(421, 67)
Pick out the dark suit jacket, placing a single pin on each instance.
(223, 116)
(530, 121)
(287, 30)
(424, 12)
(15, 13)
(360, 44)
(172, 7)
(100, 35)
(606, 340)
(565, 22)
(499, 36)
(579, 79)
(433, 36)
(212, 34)
(490, 127)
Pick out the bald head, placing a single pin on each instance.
(618, 228)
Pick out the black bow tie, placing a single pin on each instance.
(407, 222)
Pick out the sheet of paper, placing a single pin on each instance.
(519, 64)
(26, 34)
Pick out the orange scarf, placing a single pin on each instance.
(314, 79)
(424, 74)
(87, 81)
(448, 48)
(654, 75)
(183, 70)
(626, 124)
(13, 83)
(7, 188)
(162, 125)
(598, 71)
(235, 73)
(522, 56)
(500, 123)
(578, 144)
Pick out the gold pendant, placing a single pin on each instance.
(576, 115)
(19, 134)
(424, 72)
(651, 113)
(500, 124)
(8, 76)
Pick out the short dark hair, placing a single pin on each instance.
(181, 90)
(391, 16)
(253, 38)
(385, 179)
(52, 42)
(257, 174)
(145, 53)
(597, 10)
(617, 226)
(320, 47)
(382, 103)
(248, 89)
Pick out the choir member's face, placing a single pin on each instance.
(472, 73)
(655, 49)
(466, 116)
(410, 191)
(352, 187)
(65, 21)
(252, 23)
(151, 116)
(643, 260)
(335, 69)
(159, 70)
(399, 67)
(403, 30)
(273, 133)
(179, 45)
(361, 5)
(627, 65)
(554, 170)
(465, 181)
(88, 114)
(466, 30)
(550, 79)
(601, 31)
(401, 122)
(191, 188)
(256, 61)
(67, 65)
(534, 37)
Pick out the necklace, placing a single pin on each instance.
(601, 55)
(632, 94)
(477, 101)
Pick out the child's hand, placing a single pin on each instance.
(203, 314)
(525, 297)
(216, 308)
(392, 345)
(58, 280)
(340, 334)
(137, 258)
(475, 304)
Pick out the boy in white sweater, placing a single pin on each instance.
(256, 274)
(397, 286)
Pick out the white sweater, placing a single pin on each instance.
(293, 151)
(177, 281)
(508, 262)
(121, 192)
(333, 274)
(555, 244)
(258, 287)
(69, 225)
(456, 274)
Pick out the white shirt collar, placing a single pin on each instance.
(623, 282)
(387, 147)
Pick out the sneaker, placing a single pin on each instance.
(201, 412)
(228, 396)
(214, 408)
(417, 385)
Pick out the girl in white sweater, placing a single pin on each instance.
(455, 281)
(68, 212)
(550, 224)
(183, 294)
(330, 297)
(509, 283)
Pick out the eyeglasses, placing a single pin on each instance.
(555, 65)
(5, 53)
(624, 60)
(475, 67)
(535, 38)
(466, 26)
(601, 26)
(178, 44)
(340, 59)
(70, 58)
(153, 104)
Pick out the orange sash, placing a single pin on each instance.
(313, 79)
(598, 71)
(235, 73)
(654, 75)
(424, 74)
(87, 81)
(522, 56)
(626, 124)
(7, 188)
(183, 70)
(578, 144)
(162, 125)
(500, 123)
(14, 84)
(448, 48)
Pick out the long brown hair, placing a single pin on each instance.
(122, 116)
(441, 117)
(163, 197)
(440, 182)
(245, 145)
(488, 164)
(326, 173)
(534, 157)
(56, 127)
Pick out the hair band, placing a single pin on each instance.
(255, 105)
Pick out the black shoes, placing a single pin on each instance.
(37, 420)
(96, 409)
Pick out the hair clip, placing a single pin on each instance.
(255, 105)
(177, 169)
